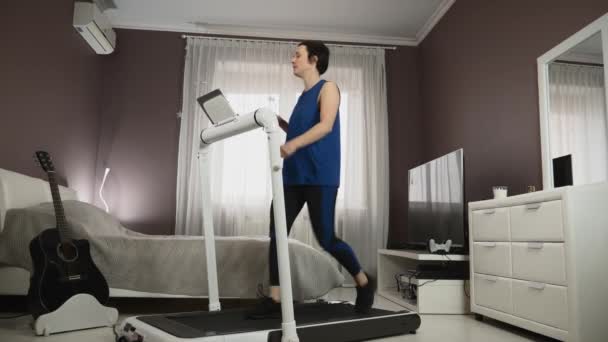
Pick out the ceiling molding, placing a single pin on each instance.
(259, 32)
(433, 20)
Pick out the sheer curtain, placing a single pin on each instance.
(578, 119)
(255, 74)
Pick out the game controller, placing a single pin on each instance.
(440, 248)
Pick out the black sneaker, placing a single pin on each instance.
(266, 308)
(365, 296)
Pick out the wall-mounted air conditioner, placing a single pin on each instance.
(94, 27)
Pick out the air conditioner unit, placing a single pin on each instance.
(94, 27)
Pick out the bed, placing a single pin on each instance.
(139, 265)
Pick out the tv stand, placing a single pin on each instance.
(434, 296)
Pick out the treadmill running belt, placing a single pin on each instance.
(204, 324)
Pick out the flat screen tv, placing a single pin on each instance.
(436, 203)
(562, 171)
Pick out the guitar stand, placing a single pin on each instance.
(81, 311)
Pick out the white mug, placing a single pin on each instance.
(499, 191)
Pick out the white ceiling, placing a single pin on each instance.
(392, 22)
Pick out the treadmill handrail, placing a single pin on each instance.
(265, 118)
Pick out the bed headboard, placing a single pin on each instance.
(19, 191)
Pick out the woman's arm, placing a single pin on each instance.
(329, 101)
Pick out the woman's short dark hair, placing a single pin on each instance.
(318, 49)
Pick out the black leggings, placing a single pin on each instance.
(321, 202)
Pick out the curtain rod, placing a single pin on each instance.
(559, 61)
(184, 36)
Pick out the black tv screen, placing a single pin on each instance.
(436, 202)
(562, 171)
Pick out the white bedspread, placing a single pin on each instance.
(167, 264)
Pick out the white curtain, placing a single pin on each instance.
(254, 74)
(578, 120)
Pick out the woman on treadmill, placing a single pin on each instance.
(311, 173)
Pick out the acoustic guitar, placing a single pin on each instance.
(62, 266)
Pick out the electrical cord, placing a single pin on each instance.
(403, 289)
(426, 282)
(464, 287)
(114, 331)
(409, 287)
(397, 279)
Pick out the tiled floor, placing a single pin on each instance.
(453, 328)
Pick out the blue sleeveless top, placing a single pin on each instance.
(319, 162)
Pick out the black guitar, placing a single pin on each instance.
(63, 267)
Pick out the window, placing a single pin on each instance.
(244, 158)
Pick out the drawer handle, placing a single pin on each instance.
(491, 280)
(490, 212)
(488, 244)
(533, 206)
(535, 245)
(536, 286)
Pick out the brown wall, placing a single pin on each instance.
(405, 132)
(91, 111)
(479, 85)
(140, 129)
(50, 92)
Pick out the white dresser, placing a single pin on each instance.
(540, 261)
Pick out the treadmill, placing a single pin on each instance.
(316, 321)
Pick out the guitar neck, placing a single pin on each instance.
(59, 212)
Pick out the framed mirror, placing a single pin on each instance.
(573, 108)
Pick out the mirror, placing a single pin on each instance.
(573, 103)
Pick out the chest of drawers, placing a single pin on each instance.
(540, 261)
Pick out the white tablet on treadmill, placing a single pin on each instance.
(216, 107)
